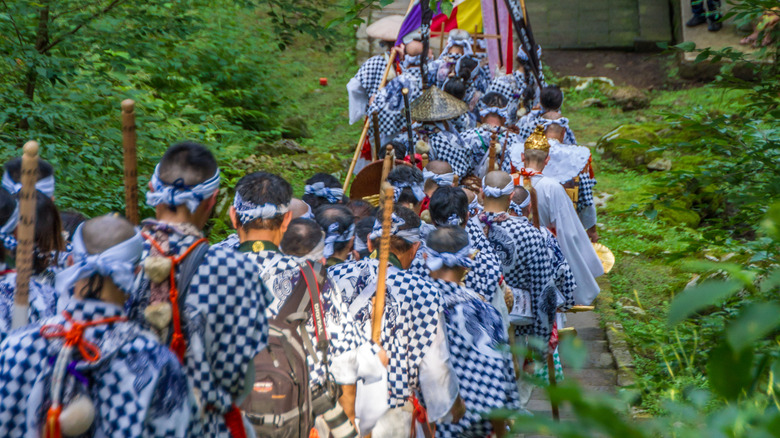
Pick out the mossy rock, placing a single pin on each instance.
(677, 212)
(295, 127)
(629, 144)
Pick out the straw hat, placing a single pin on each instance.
(386, 28)
(436, 105)
(606, 257)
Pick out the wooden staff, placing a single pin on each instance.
(387, 166)
(377, 141)
(131, 162)
(551, 375)
(409, 133)
(502, 157)
(366, 124)
(492, 153)
(25, 234)
(384, 258)
(441, 39)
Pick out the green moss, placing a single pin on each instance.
(678, 212)
(630, 144)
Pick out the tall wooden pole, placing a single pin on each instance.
(409, 134)
(366, 124)
(25, 234)
(131, 161)
(492, 153)
(384, 258)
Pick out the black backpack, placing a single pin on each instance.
(281, 403)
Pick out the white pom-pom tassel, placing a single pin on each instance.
(77, 417)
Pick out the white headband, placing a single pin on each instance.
(118, 262)
(333, 195)
(411, 235)
(332, 236)
(417, 190)
(495, 192)
(177, 193)
(437, 260)
(441, 179)
(44, 185)
(248, 211)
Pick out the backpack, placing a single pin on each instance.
(281, 403)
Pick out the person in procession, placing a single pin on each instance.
(413, 333)
(260, 214)
(557, 213)
(48, 242)
(217, 325)
(90, 371)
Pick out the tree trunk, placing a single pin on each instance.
(31, 78)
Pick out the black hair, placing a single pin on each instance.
(456, 87)
(335, 214)
(448, 238)
(301, 237)
(447, 201)
(14, 169)
(399, 149)
(551, 98)
(467, 65)
(189, 162)
(330, 182)
(494, 99)
(362, 229)
(406, 174)
(7, 207)
(48, 233)
(411, 220)
(361, 209)
(71, 220)
(264, 188)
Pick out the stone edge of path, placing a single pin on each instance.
(616, 339)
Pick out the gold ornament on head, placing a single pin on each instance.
(538, 140)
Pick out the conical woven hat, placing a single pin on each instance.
(436, 105)
(386, 28)
(606, 257)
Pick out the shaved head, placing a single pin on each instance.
(101, 233)
(298, 208)
(498, 179)
(469, 194)
(555, 131)
(439, 167)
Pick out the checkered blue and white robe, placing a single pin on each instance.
(486, 374)
(137, 385)
(225, 325)
(449, 146)
(409, 325)
(526, 262)
(370, 74)
(564, 279)
(42, 298)
(281, 273)
(389, 102)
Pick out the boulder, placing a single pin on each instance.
(677, 212)
(629, 98)
(660, 165)
(281, 147)
(583, 82)
(295, 127)
(593, 102)
(630, 144)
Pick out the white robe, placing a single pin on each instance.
(556, 211)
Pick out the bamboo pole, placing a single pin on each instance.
(551, 375)
(492, 153)
(441, 39)
(384, 258)
(25, 234)
(387, 166)
(131, 161)
(366, 124)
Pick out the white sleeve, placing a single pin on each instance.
(358, 100)
(361, 364)
(588, 216)
(438, 383)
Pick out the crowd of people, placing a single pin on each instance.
(151, 331)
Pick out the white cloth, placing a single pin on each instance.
(358, 100)
(566, 160)
(556, 211)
